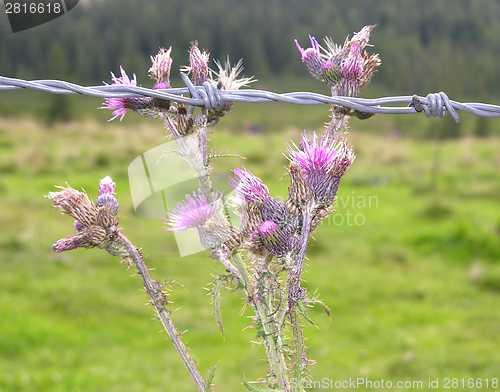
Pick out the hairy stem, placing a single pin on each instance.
(159, 301)
(298, 262)
(299, 360)
(295, 295)
(274, 354)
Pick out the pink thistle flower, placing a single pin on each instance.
(120, 105)
(248, 187)
(323, 164)
(343, 68)
(190, 213)
(312, 156)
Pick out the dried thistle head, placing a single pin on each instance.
(227, 79)
(95, 223)
(198, 64)
(160, 69)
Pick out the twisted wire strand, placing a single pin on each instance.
(211, 96)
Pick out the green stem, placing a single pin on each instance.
(298, 263)
(299, 360)
(274, 353)
(154, 291)
(295, 294)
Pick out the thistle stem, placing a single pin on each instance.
(273, 352)
(295, 295)
(155, 293)
(299, 360)
(298, 263)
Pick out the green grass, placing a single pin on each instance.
(412, 278)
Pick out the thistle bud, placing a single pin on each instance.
(312, 58)
(273, 239)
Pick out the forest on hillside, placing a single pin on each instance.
(425, 46)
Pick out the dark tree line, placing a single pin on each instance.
(429, 45)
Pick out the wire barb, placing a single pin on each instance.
(211, 96)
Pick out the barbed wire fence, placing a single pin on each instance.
(211, 96)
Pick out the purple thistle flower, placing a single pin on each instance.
(109, 201)
(323, 164)
(190, 213)
(248, 187)
(120, 105)
(343, 68)
(312, 58)
(198, 64)
(311, 155)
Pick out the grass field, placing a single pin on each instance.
(409, 264)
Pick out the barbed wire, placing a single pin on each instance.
(210, 96)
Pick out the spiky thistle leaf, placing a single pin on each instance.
(210, 378)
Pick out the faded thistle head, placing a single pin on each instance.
(198, 64)
(96, 224)
(160, 70)
(227, 79)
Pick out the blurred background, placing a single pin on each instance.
(408, 264)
